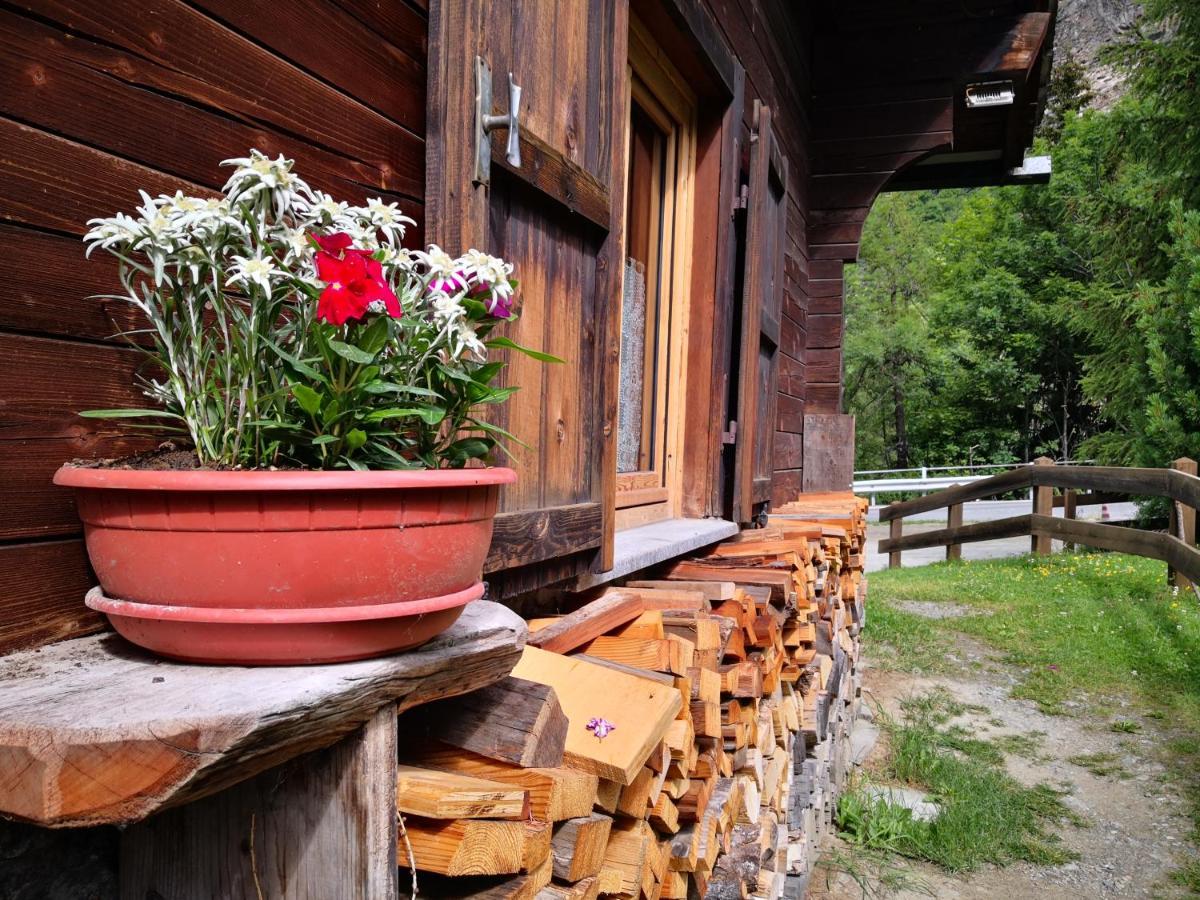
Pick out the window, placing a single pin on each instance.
(659, 177)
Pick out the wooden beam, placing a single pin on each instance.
(182, 732)
(522, 538)
(321, 825)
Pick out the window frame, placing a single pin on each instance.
(665, 97)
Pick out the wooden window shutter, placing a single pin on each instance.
(762, 301)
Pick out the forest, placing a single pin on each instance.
(996, 325)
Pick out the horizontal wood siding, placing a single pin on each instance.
(102, 99)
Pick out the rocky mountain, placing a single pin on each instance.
(1084, 28)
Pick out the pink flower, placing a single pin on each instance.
(600, 727)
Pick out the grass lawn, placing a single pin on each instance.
(1079, 629)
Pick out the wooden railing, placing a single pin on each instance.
(1176, 548)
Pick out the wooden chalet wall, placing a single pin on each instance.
(101, 99)
(887, 95)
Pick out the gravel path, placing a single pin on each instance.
(1137, 820)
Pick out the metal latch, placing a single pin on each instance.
(730, 436)
(486, 122)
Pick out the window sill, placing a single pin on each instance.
(647, 545)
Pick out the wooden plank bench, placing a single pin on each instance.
(272, 781)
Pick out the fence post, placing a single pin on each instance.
(895, 530)
(954, 514)
(1183, 521)
(1069, 506)
(1043, 505)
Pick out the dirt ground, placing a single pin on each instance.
(1137, 824)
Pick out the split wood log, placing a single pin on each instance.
(69, 755)
(589, 621)
(466, 846)
(640, 711)
(448, 795)
(554, 793)
(579, 845)
(514, 721)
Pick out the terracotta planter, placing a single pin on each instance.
(284, 567)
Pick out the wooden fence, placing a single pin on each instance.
(1104, 485)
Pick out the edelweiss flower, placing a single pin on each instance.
(255, 269)
(324, 209)
(487, 270)
(438, 264)
(388, 219)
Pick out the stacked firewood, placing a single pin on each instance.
(674, 737)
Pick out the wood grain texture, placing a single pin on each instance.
(590, 621)
(49, 607)
(640, 709)
(321, 825)
(445, 795)
(523, 538)
(70, 757)
(514, 721)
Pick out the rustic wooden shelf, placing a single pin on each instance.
(96, 731)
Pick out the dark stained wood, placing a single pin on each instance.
(70, 756)
(828, 452)
(321, 38)
(49, 607)
(200, 58)
(513, 720)
(762, 298)
(521, 538)
(322, 825)
(116, 101)
(556, 176)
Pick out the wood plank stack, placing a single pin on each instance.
(674, 737)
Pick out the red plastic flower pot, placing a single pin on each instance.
(284, 567)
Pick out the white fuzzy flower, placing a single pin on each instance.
(255, 269)
(388, 219)
(439, 265)
(445, 307)
(297, 242)
(483, 269)
(324, 209)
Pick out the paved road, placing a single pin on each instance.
(979, 511)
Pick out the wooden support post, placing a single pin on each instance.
(954, 514)
(895, 531)
(1043, 505)
(322, 825)
(1183, 521)
(1069, 512)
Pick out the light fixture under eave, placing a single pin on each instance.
(990, 93)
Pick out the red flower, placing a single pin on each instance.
(353, 282)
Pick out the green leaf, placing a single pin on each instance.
(431, 415)
(373, 338)
(354, 464)
(321, 439)
(485, 373)
(331, 412)
(309, 400)
(355, 438)
(496, 429)
(390, 387)
(531, 353)
(468, 448)
(493, 395)
(302, 367)
(128, 414)
(352, 353)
